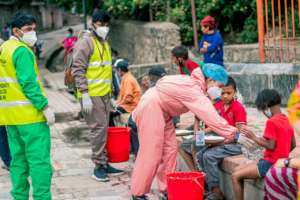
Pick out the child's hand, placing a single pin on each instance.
(206, 45)
(247, 132)
(203, 50)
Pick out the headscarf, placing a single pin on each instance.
(209, 21)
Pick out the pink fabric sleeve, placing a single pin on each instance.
(201, 106)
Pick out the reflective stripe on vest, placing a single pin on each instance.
(99, 71)
(98, 81)
(7, 80)
(15, 107)
(15, 103)
(99, 64)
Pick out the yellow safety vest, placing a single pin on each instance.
(15, 107)
(99, 71)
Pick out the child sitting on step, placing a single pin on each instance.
(278, 140)
(208, 158)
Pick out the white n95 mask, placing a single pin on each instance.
(214, 92)
(102, 32)
(29, 38)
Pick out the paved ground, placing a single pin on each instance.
(70, 153)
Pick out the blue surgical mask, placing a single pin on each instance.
(152, 83)
(268, 113)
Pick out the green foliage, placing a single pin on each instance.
(237, 18)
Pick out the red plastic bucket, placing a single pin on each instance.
(118, 144)
(185, 185)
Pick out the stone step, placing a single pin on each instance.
(63, 104)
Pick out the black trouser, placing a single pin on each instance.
(4, 148)
(134, 140)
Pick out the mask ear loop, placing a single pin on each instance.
(20, 37)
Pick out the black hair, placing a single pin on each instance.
(124, 69)
(100, 16)
(267, 98)
(157, 71)
(70, 30)
(180, 52)
(22, 19)
(122, 65)
(231, 82)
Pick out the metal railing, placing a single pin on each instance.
(278, 30)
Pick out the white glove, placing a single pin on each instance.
(243, 140)
(87, 104)
(49, 115)
(113, 104)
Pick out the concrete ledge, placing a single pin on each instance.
(252, 188)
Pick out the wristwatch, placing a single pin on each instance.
(286, 162)
(236, 137)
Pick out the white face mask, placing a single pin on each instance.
(102, 32)
(214, 92)
(29, 38)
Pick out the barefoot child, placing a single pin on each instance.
(278, 140)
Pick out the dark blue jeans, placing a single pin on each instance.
(134, 140)
(4, 149)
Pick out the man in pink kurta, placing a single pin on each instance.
(172, 96)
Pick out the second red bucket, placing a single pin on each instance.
(118, 144)
(185, 185)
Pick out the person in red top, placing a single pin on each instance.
(278, 140)
(180, 57)
(229, 108)
(209, 157)
(68, 43)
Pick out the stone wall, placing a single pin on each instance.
(249, 53)
(252, 78)
(143, 43)
(48, 17)
(241, 53)
(52, 17)
(7, 11)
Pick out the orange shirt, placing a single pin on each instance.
(130, 93)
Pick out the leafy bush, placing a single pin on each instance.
(237, 18)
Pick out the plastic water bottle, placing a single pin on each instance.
(200, 138)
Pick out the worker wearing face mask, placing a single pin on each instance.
(92, 71)
(172, 96)
(24, 111)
